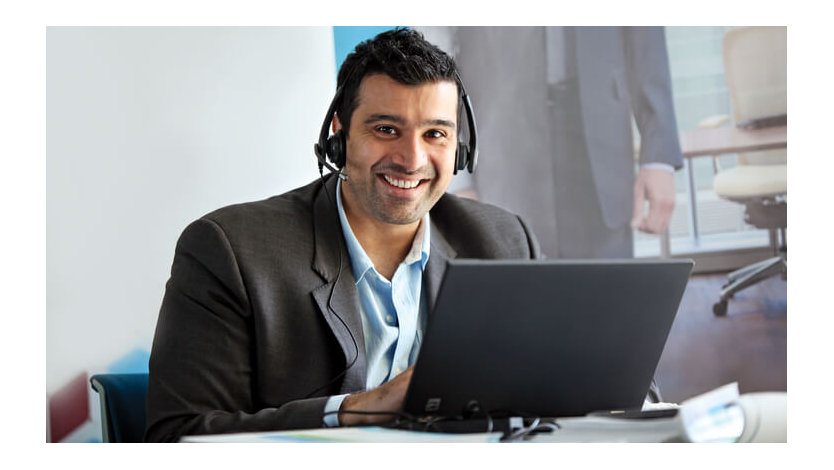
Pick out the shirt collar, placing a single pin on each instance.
(359, 259)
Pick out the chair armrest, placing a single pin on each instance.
(714, 121)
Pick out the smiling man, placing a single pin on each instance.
(307, 309)
(403, 143)
(402, 147)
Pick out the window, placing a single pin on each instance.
(700, 91)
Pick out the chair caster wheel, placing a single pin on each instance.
(720, 308)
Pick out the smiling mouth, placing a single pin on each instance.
(402, 184)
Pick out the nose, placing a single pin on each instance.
(413, 152)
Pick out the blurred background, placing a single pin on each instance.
(148, 128)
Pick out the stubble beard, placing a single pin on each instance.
(390, 209)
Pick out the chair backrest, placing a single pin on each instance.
(122, 398)
(755, 64)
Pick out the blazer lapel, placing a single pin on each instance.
(337, 298)
(441, 252)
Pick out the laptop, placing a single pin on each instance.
(546, 338)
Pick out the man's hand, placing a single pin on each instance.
(658, 187)
(387, 397)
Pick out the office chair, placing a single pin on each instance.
(122, 398)
(755, 63)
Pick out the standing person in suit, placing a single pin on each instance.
(608, 75)
(307, 309)
(571, 96)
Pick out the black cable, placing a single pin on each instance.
(523, 431)
(536, 424)
(330, 300)
(407, 422)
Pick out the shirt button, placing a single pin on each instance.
(389, 319)
(397, 371)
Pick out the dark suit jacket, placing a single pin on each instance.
(260, 320)
(620, 71)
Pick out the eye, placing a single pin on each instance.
(388, 130)
(435, 134)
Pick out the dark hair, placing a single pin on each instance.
(402, 54)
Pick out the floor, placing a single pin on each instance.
(748, 346)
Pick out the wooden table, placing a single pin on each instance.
(718, 141)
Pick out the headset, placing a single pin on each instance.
(333, 148)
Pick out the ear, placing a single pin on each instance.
(335, 123)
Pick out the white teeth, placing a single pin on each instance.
(401, 183)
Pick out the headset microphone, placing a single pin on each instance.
(324, 164)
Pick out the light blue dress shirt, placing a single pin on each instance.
(392, 321)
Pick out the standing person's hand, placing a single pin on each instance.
(656, 186)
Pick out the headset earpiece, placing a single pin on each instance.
(462, 158)
(471, 159)
(332, 148)
(336, 149)
(467, 153)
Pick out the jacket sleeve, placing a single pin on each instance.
(532, 241)
(202, 377)
(650, 88)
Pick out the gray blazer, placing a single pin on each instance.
(545, 95)
(624, 70)
(260, 320)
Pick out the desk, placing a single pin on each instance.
(576, 430)
(720, 415)
(701, 142)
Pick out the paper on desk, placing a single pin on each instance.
(713, 416)
(710, 417)
(346, 434)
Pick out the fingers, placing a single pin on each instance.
(637, 220)
(388, 397)
(660, 213)
(658, 187)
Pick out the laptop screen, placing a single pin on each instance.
(549, 338)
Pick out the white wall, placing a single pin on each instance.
(148, 129)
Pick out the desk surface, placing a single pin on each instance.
(700, 142)
(570, 430)
(720, 415)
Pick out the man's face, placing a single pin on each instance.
(400, 149)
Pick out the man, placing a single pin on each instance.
(307, 309)
(559, 131)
